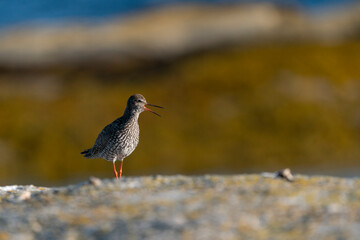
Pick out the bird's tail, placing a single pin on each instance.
(87, 153)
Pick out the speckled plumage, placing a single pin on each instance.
(117, 140)
(120, 138)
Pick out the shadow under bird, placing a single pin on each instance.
(120, 138)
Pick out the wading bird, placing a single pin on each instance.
(120, 138)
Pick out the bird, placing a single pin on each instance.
(120, 138)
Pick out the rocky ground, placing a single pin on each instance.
(180, 207)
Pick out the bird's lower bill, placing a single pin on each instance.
(149, 110)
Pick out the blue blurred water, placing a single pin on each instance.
(14, 12)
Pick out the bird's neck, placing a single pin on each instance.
(131, 115)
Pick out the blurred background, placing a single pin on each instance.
(247, 86)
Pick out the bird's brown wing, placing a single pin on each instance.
(103, 139)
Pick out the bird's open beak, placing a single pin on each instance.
(147, 109)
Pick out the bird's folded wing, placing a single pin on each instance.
(105, 137)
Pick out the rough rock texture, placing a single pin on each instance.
(179, 207)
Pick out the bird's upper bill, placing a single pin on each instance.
(147, 109)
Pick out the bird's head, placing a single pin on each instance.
(137, 104)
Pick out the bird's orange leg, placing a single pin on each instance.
(120, 170)
(116, 175)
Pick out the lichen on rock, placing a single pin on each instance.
(184, 207)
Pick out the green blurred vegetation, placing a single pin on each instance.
(230, 110)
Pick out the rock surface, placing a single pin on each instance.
(179, 207)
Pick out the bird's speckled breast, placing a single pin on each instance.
(128, 141)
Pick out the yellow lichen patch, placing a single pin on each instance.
(4, 236)
(75, 219)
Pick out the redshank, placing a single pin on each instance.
(120, 138)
